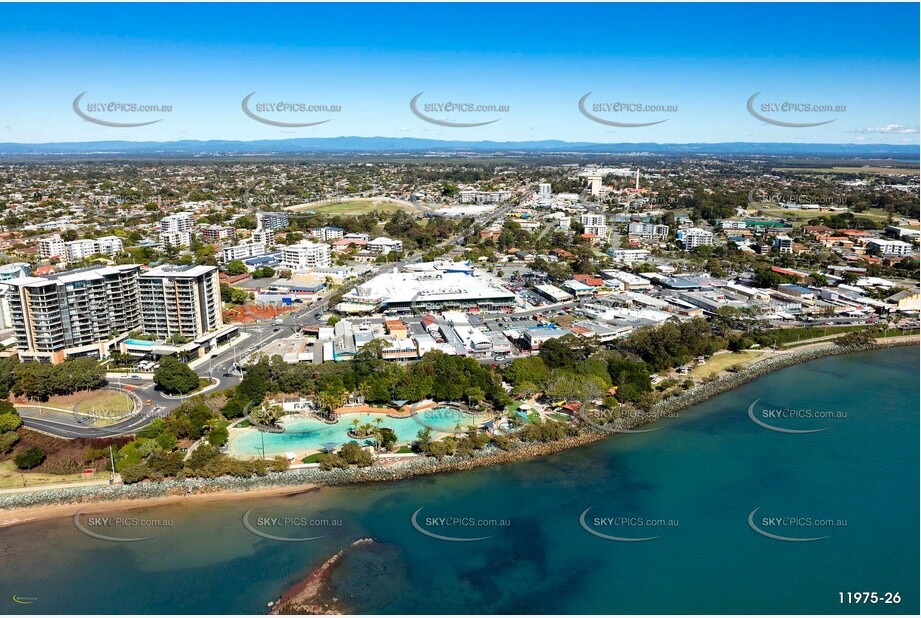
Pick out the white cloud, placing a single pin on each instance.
(889, 129)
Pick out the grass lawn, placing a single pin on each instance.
(902, 171)
(564, 321)
(404, 449)
(11, 476)
(721, 362)
(315, 458)
(797, 217)
(513, 407)
(360, 207)
(109, 402)
(792, 335)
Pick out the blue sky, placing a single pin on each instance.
(538, 59)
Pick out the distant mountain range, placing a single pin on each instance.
(319, 145)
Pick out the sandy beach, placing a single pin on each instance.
(39, 513)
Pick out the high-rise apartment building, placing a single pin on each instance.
(176, 229)
(78, 313)
(272, 220)
(87, 312)
(183, 300)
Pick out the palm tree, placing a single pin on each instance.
(355, 423)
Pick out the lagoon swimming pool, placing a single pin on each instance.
(304, 434)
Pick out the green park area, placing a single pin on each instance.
(12, 477)
(721, 362)
(360, 207)
(103, 401)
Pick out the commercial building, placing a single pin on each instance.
(535, 337)
(305, 255)
(628, 281)
(183, 300)
(483, 197)
(552, 293)
(433, 286)
(474, 339)
(543, 189)
(81, 313)
(578, 288)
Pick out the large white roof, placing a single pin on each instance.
(432, 286)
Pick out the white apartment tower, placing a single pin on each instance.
(176, 229)
(305, 255)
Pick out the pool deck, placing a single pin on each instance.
(403, 412)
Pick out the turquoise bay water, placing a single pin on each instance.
(704, 473)
(310, 434)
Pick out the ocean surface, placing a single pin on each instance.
(691, 487)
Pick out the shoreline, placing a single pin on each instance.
(32, 514)
(26, 508)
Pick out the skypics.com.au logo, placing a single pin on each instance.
(106, 112)
(781, 108)
(625, 528)
(792, 528)
(759, 198)
(451, 527)
(768, 418)
(281, 113)
(449, 110)
(119, 529)
(613, 112)
(283, 528)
